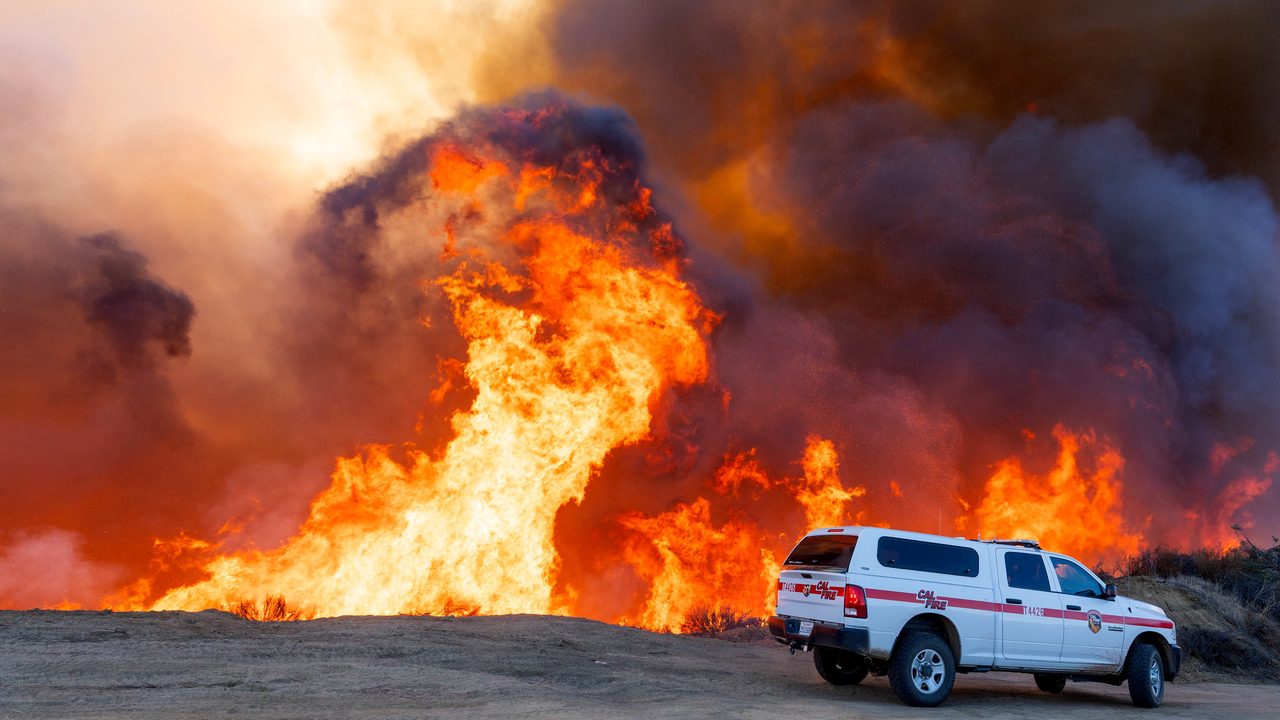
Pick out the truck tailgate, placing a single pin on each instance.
(812, 594)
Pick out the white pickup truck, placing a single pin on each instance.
(921, 608)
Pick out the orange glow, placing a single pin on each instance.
(453, 170)
(1068, 509)
(1238, 493)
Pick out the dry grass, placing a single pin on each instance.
(1222, 638)
(1249, 573)
(273, 608)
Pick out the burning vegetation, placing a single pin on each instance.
(611, 359)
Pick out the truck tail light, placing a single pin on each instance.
(855, 602)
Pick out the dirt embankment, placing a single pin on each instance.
(1221, 638)
(214, 665)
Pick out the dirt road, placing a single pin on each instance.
(213, 665)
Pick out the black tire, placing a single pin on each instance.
(1051, 683)
(839, 667)
(922, 670)
(1146, 676)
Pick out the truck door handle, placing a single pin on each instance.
(1013, 601)
(1073, 607)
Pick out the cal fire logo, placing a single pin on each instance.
(1095, 621)
(822, 589)
(931, 600)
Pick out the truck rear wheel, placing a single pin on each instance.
(1051, 683)
(922, 670)
(1146, 676)
(839, 667)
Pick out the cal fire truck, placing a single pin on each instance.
(923, 608)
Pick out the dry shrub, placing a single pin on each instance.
(1248, 572)
(450, 608)
(712, 620)
(457, 608)
(273, 608)
(1161, 562)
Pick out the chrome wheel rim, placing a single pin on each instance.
(928, 671)
(1155, 676)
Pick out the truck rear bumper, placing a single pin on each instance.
(787, 630)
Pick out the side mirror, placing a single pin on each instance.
(1109, 592)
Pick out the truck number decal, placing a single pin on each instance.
(931, 600)
(1033, 610)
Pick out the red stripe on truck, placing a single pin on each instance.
(893, 595)
(1149, 622)
(987, 606)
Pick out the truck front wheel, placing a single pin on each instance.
(1146, 676)
(922, 670)
(839, 667)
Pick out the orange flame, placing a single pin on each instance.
(567, 350)
(820, 492)
(691, 564)
(1068, 510)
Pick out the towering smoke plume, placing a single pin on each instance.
(977, 267)
(1031, 215)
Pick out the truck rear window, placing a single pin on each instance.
(823, 551)
(920, 556)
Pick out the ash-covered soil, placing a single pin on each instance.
(214, 665)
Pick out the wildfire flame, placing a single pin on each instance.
(568, 291)
(567, 348)
(691, 564)
(1068, 509)
(820, 492)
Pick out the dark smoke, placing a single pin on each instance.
(130, 307)
(706, 80)
(91, 433)
(87, 310)
(1196, 77)
(1013, 214)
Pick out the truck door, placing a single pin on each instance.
(1031, 612)
(1093, 629)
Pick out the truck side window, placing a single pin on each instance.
(1074, 580)
(1026, 571)
(920, 556)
